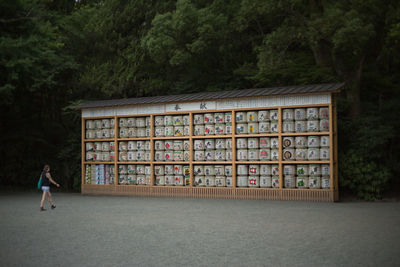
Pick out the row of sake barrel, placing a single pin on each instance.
(213, 149)
(100, 151)
(100, 133)
(306, 148)
(177, 125)
(254, 175)
(134, 127)
(253, 122)
(254, 149)
(312, 176)
(134, 151)
(171, 150)
(99, 174)
(212, 175)
(134, 174)
(305, 120)
(100, 124)
(212, 123)
(178, 175)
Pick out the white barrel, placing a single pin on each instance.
(186, 145)
(287, 114)
(228, 143)
(242, 169)
(300, 126)
(263, 115)
(254, 169)
(220, 181)
(228, 170)
(301, 142)
(220, 143)
(312, 113)
(241, 154)
(130, 122)
(168, 121)
(141, 122)
(265, 181)
(241, 128)
(242, 181)
(186, 130)
(178, 145)
(324, 125)
(229, 181)
(147, 170)
(228, 117)
(264, 142)
(177, 120)
(252, 128)
(273, 115)
(178, 155)
(289, 181)
(160, 180)
(274, 154)
(313, 153)
(253, 181)
(314, 170)
(325, 182)
(314, 182)
(122, 179)
(159, 131)
(324, 153)
(288, 142)
(169, 180)
(302, 170)
(219, 170)
(105, 133)
(253, 154)
(199, 155)
(147, 145)
(132, 145)
(209, 155)
(275, 181)
(274, 170)
(241, 117)
(98, 124)
(209, 170)
(228, 128)
(169, 169)
(140, 145)
(159, 121)
(178, 180)
(198, 119)
(123, 132)
(186, 155)
(288, 126)
(274, 127)
(159, 170)
(219, 118)
(209, 181)
(159, 145)
(140, 155)
(302, 181)
(168, 145)
(198, 170)
(264, 127)
(140, 169)
(112, 133)
(289, 170)
(199, 144)
(89, 156)
(90, 146)
(209, 144)
(186, 120)
(220, 155)
(199, 130)
(208, 118)
(148, 121)
(313, 141)
(251, 116)
(141, 132)
(131, 169)
(289, 154)
(90, 124)
(178, 169)
(228, 155)
(132, 156)
(324, 141)
(323, 113)
(112, 145)
(252, 143)
(301, 154)
(123, 146)
(220, 129)
(132, 132)
(199, 180)
(325, 170)
(178, 131)
(241, 143)
(312, 126)
(209, 129)
(168, 155)
(112, 156)
(274, 143)
(123, 169)
(123, 156)
(90, 134)
(265, 169)
(98, 146)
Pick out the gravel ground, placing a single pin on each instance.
(133, 231)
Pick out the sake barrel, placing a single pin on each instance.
(273, 115)
(169, 169)
(209, 170)
(178, 169)
(228, 170)
(160, 180)
(132, 145)
(264, 154)
(302, 181)
(265, 181)
(251, 116)
(253, 181)
(263, 115)
(178, 145)
(229, 181)
(199, 144)
(132, 132)
(186, 130)
(123, 156)
(220, 129)
(209, 144)
(209, 181)
(89, 156)
(159, 145)
(159, 121)
(324, 125)
(198, 119)
(105, 133)
(147, 170)
(288, 126)
(131, 156)
(209, 118)
(324, 141)
(97, 146)
(274, 143)
(147, 145)
(131, 169)
(122, 169)
(289, 181)
(140, 145)
(112, 146)
(253, 154)
(241, 128)
(302, 170)
(209, 129)
(274, 127)
(140, 155)
(177, 120)
(123, 146)
(264, 127)
(301, 142)
(241, 154)
(198, 170)
(274, 154)
(252, 143)
(199, 180)
(148, 121)
(289, 170)
(287, 114)
(141, 132)
(242, 169)
(289, 154)
(159, 170)
(275, 170)
(241, 117)
(123, 132)
(241, 143)
(178, 131)
(178, 155)
(89, 146)
(325, 170)
(300, 126)
(168, 155)
(220, 143)
(186, 145)
(199, 155)
(130, 122)
(314, 182)
(168, 121)
(219, 118)
(312, 126)
(209, 155)
(97, 124)
(186, 155)
(324, 153)
(90, 134)
(242, 181)
(325, 182)
(313, 153)
(140, 169)
(90, 124)
(301, 154)
(228, 155)
(288, 142)
(186, 120)
(112, 133)
(186, 170)
(220, 155)
(313, 141)
(220, 181)
(265, 170)
(312, 113)
(228, 128)
(314, 170)
(141, 122)
(112, 156)
(169, 180)
(159, 131)
(122, 179)
(323, 113)
(228, 143)
(265, 142)
(219, 170)
(228, 117)
(169, 144)
(275, 181)
(178, 180)
(254, 169)
(252, 127)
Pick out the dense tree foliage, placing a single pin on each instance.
(55, 54)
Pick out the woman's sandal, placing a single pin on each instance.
(53, 207)
(42, 209)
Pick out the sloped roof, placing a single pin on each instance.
(273, 91)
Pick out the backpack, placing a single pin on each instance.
(39, 184)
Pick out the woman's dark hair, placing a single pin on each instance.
(46, 168)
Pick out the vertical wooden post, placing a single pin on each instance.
(280, 151)
(191, 147)
(335, 143)
(152, 180)
(331, 149)
(233, 149)
(83, 159)
(116, 158)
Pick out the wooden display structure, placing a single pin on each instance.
(233, 192)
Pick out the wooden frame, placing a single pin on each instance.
(280, 193)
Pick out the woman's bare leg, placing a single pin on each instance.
(50, 199)
(43, 199)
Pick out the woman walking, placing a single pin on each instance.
(46, 180)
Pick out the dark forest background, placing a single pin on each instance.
(56, 54)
